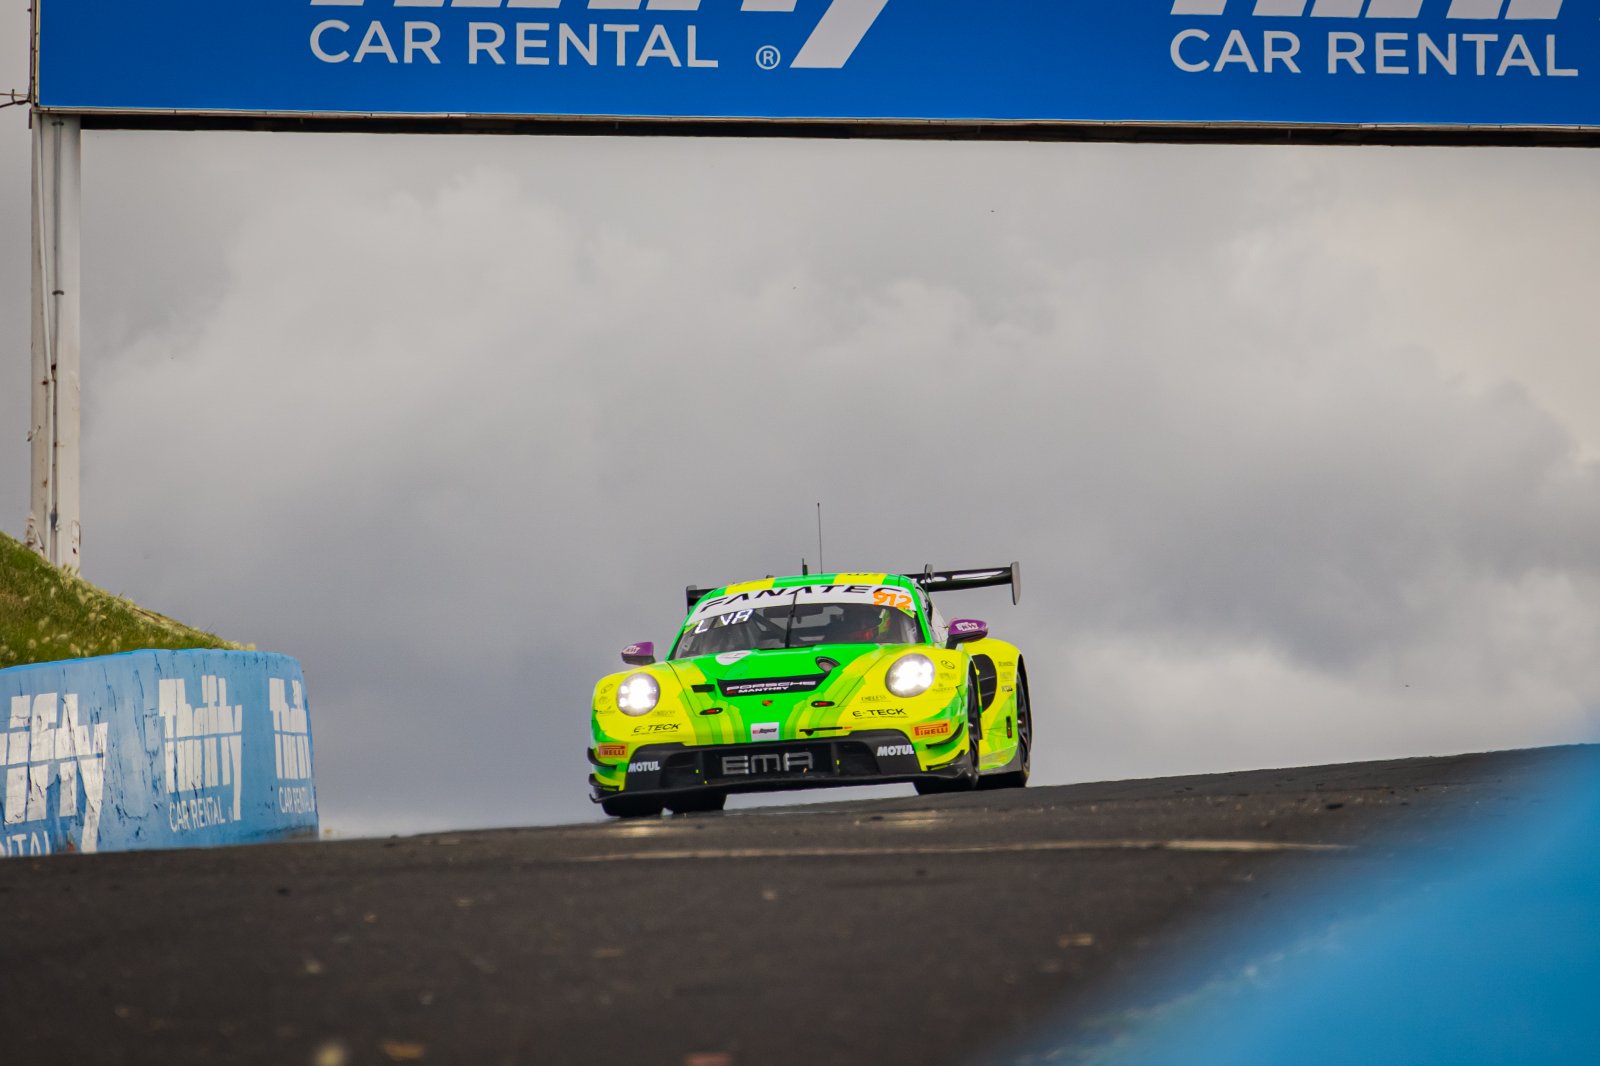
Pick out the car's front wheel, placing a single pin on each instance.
(1018, 778)
(632, 807)
(937, 786)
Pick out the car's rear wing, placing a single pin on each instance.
(696, 595)
(933, 580)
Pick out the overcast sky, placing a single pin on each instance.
(1297, 446)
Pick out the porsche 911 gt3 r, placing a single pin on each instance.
(810, 682)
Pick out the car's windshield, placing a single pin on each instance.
(798, 622)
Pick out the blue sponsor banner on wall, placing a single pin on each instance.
(1424, 63)
(154, 749)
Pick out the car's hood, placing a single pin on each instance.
(772, 685)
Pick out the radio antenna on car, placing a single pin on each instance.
(820, 568)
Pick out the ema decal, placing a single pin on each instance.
(842, 28)
(46, 749)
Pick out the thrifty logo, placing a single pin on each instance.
(46, 746)
(842, 28)
(291, 728)
(204, 754)
(1480, 10)
(291, 734)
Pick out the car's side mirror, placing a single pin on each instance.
(639, 654)
(966, 630)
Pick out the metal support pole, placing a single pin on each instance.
(37, 535)
(55, 527)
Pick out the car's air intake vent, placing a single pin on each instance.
(856, 760)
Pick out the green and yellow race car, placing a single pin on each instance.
(811, 682)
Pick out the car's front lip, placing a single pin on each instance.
(859, 758)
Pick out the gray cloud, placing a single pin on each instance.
(452, 419)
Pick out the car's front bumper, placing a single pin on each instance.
(862, 758)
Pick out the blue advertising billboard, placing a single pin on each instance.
(1528, 64)
(154, 749)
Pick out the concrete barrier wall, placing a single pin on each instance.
(154, 749)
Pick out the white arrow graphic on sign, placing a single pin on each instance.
(839, 34)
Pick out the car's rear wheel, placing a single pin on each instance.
(632, 806)
(698, 803)
(1018, 778)
(937, 786)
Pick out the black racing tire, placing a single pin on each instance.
(1018, 778)
(939, 786)
(698, 803)
(632, 807)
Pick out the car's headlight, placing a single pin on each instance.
(911, 675)
(638, 695)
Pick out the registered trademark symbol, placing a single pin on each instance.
(769, 57)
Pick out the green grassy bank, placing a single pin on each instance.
(47, 614)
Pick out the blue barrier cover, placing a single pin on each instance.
(154, 749)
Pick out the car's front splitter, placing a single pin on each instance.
(863, 758)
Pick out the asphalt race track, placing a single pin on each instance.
(906, 930)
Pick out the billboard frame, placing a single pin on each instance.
(852, 129)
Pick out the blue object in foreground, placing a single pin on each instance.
(154, 749)
(1491, 958)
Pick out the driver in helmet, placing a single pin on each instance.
(859, 624)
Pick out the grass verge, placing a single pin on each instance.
(47, 614)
